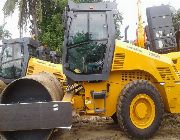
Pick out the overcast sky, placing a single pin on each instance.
(127, 7)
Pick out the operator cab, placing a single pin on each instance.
(89, 40)
(15, 56)
(161, 35)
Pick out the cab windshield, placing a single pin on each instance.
(87, 40)
(11, 61)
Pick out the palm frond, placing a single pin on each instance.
(23, 13)
(9, 7)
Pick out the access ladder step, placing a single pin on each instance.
(97, 96)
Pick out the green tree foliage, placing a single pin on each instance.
(4, 33)
(51, 26)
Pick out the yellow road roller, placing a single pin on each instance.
(105, 77)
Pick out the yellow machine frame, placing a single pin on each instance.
(133, 63)
(36, 66)
(161, 70)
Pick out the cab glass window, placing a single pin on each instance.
(87, 43)
(78, 29)
(12, 61)
(98, 26)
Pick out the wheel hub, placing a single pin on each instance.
(142, 111)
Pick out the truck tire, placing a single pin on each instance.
(140, 109)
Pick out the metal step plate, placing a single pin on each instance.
(41, 115)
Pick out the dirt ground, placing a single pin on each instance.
(96, 128)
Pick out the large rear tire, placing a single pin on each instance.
(140, 109)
